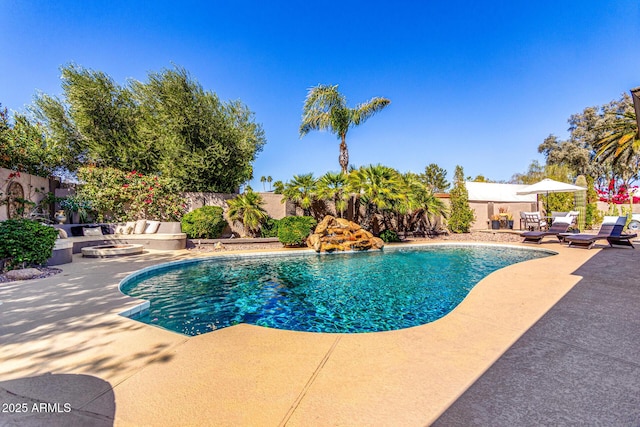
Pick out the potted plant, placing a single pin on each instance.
(495, 222)
(510, 221)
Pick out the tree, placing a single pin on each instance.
(333, 186)
(269, 180)
(301, 190)
(247, 209)
(534, 174)
(420, 207)
(24, 147)
(461, 214)
(435, 178)
(263, 179)
(378, 187)
(278, 187)
(326, 109)
(168, 125)
(620, 142)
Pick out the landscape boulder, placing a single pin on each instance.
(339, 234)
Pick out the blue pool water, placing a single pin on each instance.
(352, 292)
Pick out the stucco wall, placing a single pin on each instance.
(34, 188)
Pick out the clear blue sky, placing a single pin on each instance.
(479, 84)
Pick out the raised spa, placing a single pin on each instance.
(346, 292)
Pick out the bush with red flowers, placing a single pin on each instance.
(125, 196)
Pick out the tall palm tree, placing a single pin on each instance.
(247, 209)
(263, 179)
(326, 109)
(333, 186)
(269, 180)
(301, 190)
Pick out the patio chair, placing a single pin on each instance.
(611, 230)
(532, 221)
(560, 225)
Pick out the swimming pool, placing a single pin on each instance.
(345, 292)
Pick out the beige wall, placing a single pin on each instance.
(272, 204)
(604, 207)
(484, 211)
(34, 188)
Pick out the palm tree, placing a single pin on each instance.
(263, 179)
(247, 209)
(621, 142)
(278, 187)
(420, 205)
(378, 187)
(332, 186)
(269, 180)
(301, 191)
(326, 109)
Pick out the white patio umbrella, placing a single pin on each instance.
(547, 186)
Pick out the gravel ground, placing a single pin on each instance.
(499, 237)
(46, 272)
(476, 236)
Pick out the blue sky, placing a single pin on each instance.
(479, 84)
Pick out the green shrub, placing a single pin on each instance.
(294, 230)
(25, 243)
(269, 228)
(206, 222)
(389, 236)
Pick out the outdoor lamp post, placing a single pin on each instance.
(635, 95)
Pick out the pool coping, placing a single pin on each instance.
(270, 377)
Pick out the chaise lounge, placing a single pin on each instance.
(560, 225)
(611, 230)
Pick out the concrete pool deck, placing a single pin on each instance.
(62, 342)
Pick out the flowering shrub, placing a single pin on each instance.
(617, 194)
(126, 196)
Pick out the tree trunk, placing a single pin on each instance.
(343, 159)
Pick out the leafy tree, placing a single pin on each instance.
(594, 137)
(326, 109)
(534, 174)
(301, 190)
(435, 178)
(333, 186)
(24, 148)
(247, 209)
(461, 214)
(168, 125)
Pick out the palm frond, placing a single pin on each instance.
(364, 111)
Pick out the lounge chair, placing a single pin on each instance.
(532, 221)
(611, 230)
(560, 225)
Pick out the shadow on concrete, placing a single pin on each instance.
(578, 365)
(84, 301)
(57, 400)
